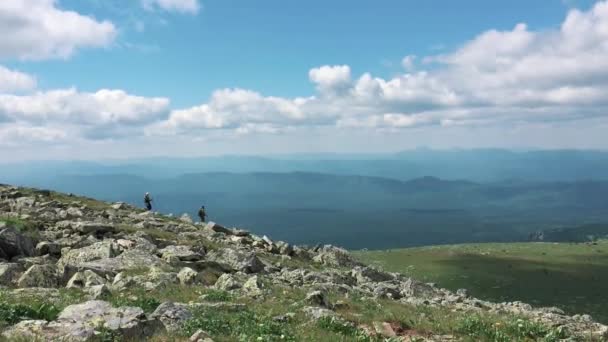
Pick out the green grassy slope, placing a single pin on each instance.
(573, 277)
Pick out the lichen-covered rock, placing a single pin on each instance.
(128, 260)
(8, 272)
(367, 274)
(181, 253)
(94, 227)
(13, 243)
(317, 298)
(172, 315)
(253, 287)
(227, 282)
(74, 259)
(39, 276)
(237, 260)
(82, 322)
(86, 278)
(414, 288)
(98, 291)
(187, 276)
(47, 247)
(335, 257)
(186, 218)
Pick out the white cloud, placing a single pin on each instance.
(180, 6)
(18, 134)
(242, 110)
(330, 79)
(103, 114)
(498, 77)
(38, 29)
(408, 62)
(11, 80)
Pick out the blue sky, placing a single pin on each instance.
(188, 77)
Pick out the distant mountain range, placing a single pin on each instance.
(358, 211)
(478, 165)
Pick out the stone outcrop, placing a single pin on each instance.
(82, 322)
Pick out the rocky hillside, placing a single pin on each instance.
(73, 268)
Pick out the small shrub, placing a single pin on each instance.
(512, 330)
(345, 328)
(244, 325)
(146, 303)
(14, 313)
(218, 296)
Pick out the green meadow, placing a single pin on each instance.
(573, 277)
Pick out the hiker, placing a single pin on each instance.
(148, 201)
(202, 214)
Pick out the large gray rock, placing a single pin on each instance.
(227, 282)
(47, 247)
(417, 289)
(335, 257)
(172, 315)
(181, 253)
(93, 227)
(128, 260)
(367, 274)
(8, 273)
(187, 276)
(74, 259)
(186, 218)
(85, 279)
(39, 276)
(83, 321)
(237, 260)
(317, 298)
(253, 287)
(13, 243)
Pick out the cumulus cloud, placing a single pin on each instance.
(330, 79)
(180, 6)
(38, 29)
(408, 62)
(17, 134)
(103, 114)
(515, 75)
(15, 81)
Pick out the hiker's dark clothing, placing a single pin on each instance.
(202, 214)
(148, 202)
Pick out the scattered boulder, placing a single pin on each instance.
(8, 272)
(94, 227)
(237, 260)
(119, 206)
(85, 279)
(186, 218)
(75, 259)
(99, 291)
(200, 336)
(128, 260)
(82, 322)
(317, 298)
(180, 253)
(50, 248)
(253, 287)
(227, 282)
(172, 315)
(13, 243)
(39, 276)
(334, 256)
(187, 276)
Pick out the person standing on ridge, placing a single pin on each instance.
(202, 214)
(148, 201)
